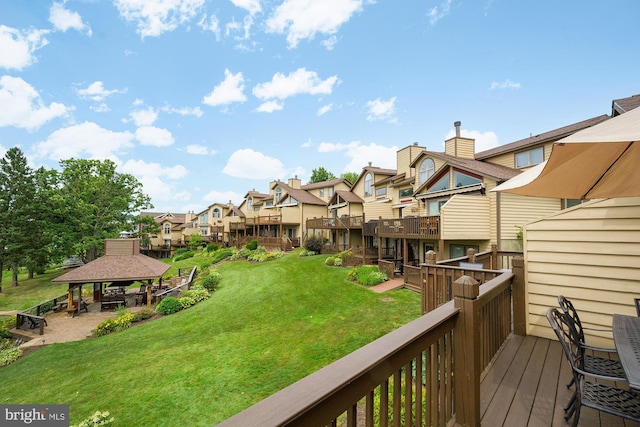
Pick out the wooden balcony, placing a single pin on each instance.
(263, 220)
(424, 227)
(346, 223)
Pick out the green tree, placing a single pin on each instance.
(99, 203)
(320, 174)
(352, 177)
(146, 226)
(195, 242)
(18, 210)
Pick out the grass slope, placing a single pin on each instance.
(265, 327)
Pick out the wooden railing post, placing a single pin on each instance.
(471, 255)
(494, 256)
(428, 301)
(519, 296)
(467, 352)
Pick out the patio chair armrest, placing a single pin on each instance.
(599, 376)
(597, 348)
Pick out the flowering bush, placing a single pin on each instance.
(9, 352)
(120, 323)
(97, 419)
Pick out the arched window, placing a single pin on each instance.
(427, 168)
(250, 203)
(368, 185)
(216, 213)
(167, 229)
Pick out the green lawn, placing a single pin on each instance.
(30, 292)
(265, 327)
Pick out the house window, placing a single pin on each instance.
(330, 192)
(278, 194)
(322, 192)
(381, 191)
(405, 192)
(204, 218)
(441, 184)
(458, 251)
(250, 203)
(368, 185)
(167, 229)
(529, 158)
(462, 180)
(427, 168)
(434, 206)
(217, 213)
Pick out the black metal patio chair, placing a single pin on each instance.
(597, 395)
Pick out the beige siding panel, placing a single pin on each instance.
(516, 210)
(590, 254)
(377, 210)
(465, 217)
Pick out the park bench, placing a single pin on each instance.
(108, 302)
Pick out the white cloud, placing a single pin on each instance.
(329, 43)
(230, 90)
(298, 82)
(200, 150)
(270, 107)
(84, 139)
(484, 141)
(307, 143)
(96, 91)
(145, 117)
(100, 108)
(184, 111)
(223, 197)
(156, 17)
(324, 109)
(156, 179)
(153, 136)
(17, 47)
(361, 155)
(382, 110)
(330, 147)
(507, 84)
(247, 163)
(212, 24)
(302, 19)
(251, 6)
(63, 19)
(22, 106)
(439, 12)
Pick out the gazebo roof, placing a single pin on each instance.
(122, 262)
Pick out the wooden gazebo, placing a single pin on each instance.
(122, 263)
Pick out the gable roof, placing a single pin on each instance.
(624, 105)
(376, 171)
(324, 184)
(550, 136)
(302, 196)
(345, 195)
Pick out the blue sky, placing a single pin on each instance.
(204, 100)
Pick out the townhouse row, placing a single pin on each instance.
(432, 201)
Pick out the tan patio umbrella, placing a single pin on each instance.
(602, 161)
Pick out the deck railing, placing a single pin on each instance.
(423, 227)
(37, 312)
(425, 372)
(351, 222)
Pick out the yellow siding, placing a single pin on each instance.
(516, 210)
(376, 210)
(509, 159)
(463, 148)
(405, 157)
(465, 217)
(589, 254)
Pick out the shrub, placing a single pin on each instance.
(9, 352)
(212, 247)
(330, 261)
(97, 419)
(186, 302)
(180, 251)
(120, 323)
(239, 253)
(221, 254)
(185, 255)
(205, 264)
(252, 245)
(196, 293)
(337, 262)
(169, 305)
(143, 314)
(5, 325)
(305, 252)
(313, 244)
(261, 254)
(367, 275)
(47, 306)
(211, 281)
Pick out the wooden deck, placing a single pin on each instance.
(525, 386)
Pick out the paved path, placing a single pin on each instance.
(61, 327)
(389, 285)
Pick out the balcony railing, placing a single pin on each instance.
(263, 220)
(423, 227)
(346, 223)
(426, 372)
